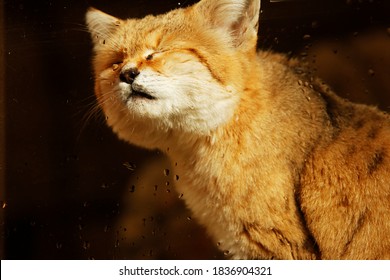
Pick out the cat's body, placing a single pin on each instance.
(270, 161)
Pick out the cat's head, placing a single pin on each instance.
(178, 72)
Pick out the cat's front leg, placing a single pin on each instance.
(276, 243)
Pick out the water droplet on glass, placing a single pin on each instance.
(130, 166)
(181, 195)
(117, 244)
(132, 189)
(4, 204)
(86, 245)
(59, 245)
(104, 186)
(371, 72)
(107, 228)
(177, 177)
(306, 37)
(314, 24)
(189, 218)
(226, 252)
(166, 172)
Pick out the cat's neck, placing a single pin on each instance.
(270, 126)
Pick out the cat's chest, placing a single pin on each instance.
(226, 199)
(213, 202)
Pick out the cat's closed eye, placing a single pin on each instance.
(116, 65)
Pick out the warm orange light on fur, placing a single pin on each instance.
(270, 160)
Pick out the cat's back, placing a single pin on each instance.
(345, 186)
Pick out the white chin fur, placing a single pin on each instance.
(182, 103)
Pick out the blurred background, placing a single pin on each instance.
(70, 190)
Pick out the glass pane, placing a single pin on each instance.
(71, 189)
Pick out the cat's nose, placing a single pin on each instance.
(128, 75)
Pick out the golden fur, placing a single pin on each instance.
(271, 161)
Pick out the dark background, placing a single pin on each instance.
(69, 182)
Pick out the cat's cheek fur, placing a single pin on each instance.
(182, 103)
(190, 98)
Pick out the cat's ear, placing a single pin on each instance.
(239, 18)
(101, 25)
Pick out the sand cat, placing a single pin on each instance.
(271, 161)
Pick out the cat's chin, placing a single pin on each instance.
(141, 95)
(131, 93)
